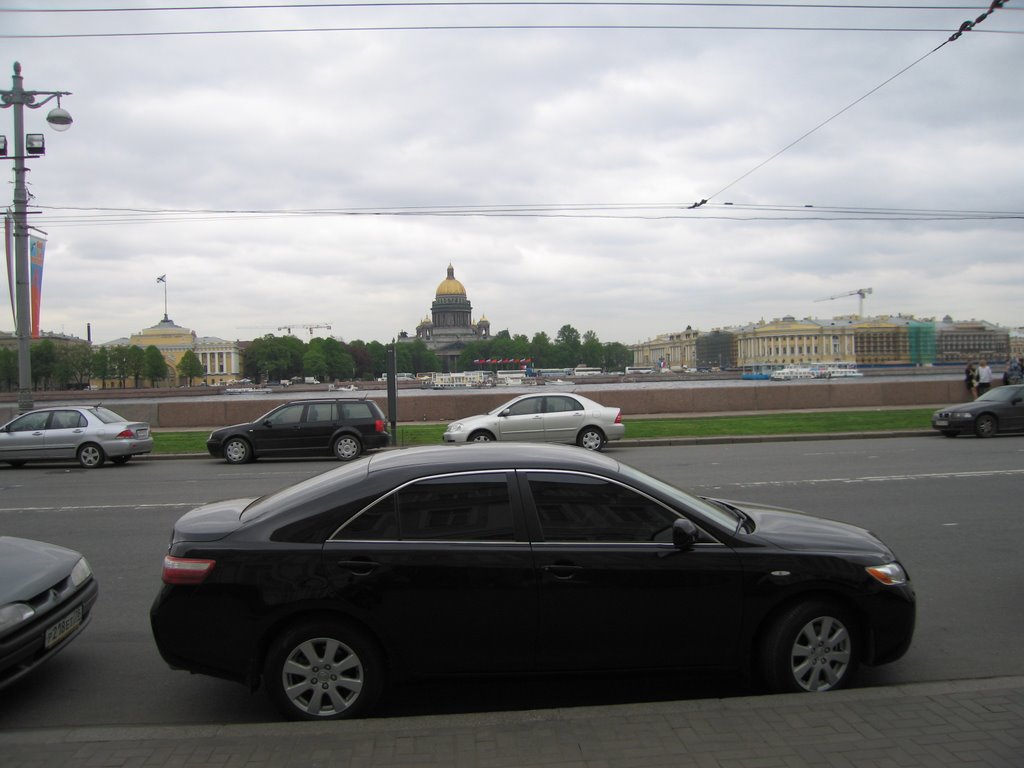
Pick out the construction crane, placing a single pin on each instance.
(862, 292)
(308, 326)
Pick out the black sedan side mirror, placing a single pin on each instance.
(684, 534)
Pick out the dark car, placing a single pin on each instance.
(46, 598)
(998, 410)
(513, 559)
(340, 427)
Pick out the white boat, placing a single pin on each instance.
(789, 373)
(839, 371)
(247, 390)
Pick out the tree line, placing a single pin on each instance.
(276, 358)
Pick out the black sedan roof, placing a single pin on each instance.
(475, 456)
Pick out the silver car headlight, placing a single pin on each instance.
(81, 572)
(456, 427)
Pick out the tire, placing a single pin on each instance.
(237, 451)
(347, 447)
(949, 433)
(323, 670)
(986, 425)
(481, 437)
(812, 646)
(16, 464)
(91, 456)
(591, 438)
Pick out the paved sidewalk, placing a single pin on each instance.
(978, 723)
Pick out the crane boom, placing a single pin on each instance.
(861, 292)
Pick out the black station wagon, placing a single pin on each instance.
(342, 427)
(512, 559)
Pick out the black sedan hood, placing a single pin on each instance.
(211, 522)
(798, 532)
(28, 567)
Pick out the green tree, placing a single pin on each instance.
(314, 363)
(154, 365)
(273, 358)
(74, 365)
(591, 350)
(119, 364)
(189, 367)
(43, 355)
(8, 368)
(136, 364)
(616, 356)
(101, 365)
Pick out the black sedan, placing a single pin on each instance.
(998, 410)
(46, 598)
(511, 559)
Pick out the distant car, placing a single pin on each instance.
(46, 598)
(547, 418)
(340, 427)
(998, 410)
(516, 559)
(90, 434)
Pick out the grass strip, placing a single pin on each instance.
(816, 422)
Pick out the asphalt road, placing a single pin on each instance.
(949, 508)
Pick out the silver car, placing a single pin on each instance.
(561, 418)
(90, 434)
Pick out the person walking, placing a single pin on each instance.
(971, 379)
(984, 378)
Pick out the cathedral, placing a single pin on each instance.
(450, 325)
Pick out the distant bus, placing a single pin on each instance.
(584, 370)
(633, 369)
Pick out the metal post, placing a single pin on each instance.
(18, 98)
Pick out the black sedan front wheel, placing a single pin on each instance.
(323, 670)
(812, 646)
(986, 425)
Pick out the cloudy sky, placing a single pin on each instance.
(329, 169)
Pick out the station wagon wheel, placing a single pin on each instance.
(481, 437)
(91, 456)
(323, 671)
(986, 425)
(591, 438)
(811, 647)
(237, 451)
(347, 447)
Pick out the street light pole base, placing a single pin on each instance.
(25, 402)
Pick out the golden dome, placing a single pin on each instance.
(450, 286)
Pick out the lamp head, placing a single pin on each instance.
(59, 119)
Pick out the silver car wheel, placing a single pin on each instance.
(347, 448)
(592, 439)
(481, 437)
(322, 677)
(91, 456)
(821, 654)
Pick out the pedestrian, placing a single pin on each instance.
(971, 379)
(984, 378)
(1013, 373)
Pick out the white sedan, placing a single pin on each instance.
(561, 418)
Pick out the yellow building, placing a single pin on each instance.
(788, 341)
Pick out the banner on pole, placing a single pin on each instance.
(9, 252)
(36, 250)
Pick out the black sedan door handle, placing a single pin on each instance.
(359, 567)
(563, 570)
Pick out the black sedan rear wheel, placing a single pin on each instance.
(237, 451)
(322, 670)
(986, 425)
(812, 646)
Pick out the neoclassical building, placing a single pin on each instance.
(221, 359)
(450, 326)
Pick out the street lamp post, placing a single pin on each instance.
(60, 120)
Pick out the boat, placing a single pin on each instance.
(247, 390)
(791, 372)
(837, 371)
(757, 372)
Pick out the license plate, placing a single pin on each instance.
(64, 627)
(941, 423)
